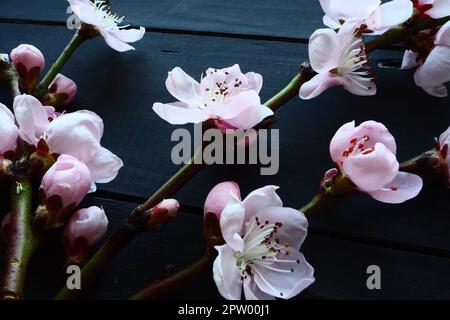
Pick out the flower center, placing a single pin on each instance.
(220, 90)
(261, 247)
(356, 146)
(353, 64)
(109, 21)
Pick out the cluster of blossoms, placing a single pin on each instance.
(63, 149)
(338, 55)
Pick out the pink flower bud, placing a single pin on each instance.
(167, 207)
(163, 213)
(219, 196)
(28, 56)
(61, 91)
(8, 131)
(68, 179)
(83, 230)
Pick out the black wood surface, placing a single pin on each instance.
(291, 19)
(407, 241)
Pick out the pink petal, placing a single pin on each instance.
(350, 9)
(252, 292)
(114, 42)
(89, 224)
(261, 199)
(130, 35)
(445, 138)
(104, 166)
(219, 196)
(180, 113)
(254, 81)
(405, 186)
(183, 87)
(324, 50)
(370, 172)
(359, 87)
(443, 35)
(250, 117)
(226, 274)
(285, 285)
(410, 60)
(435, 72)
(8, 130)
(31, 118)
(341, 141)
(231, 223)
(319, 84)
(441, 9)
(391, 14)
(235, 105)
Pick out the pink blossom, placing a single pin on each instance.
(261, 253)
(77, 134)
(367, 155)
(434, 72)
(9, 132)
(219, 196)
(67, 178)
(339, 60)
(376, 17)
(444, 143)
(83, 230)
(224, 95)
(435, 9)
(99, 15)
(62, 90)
(28, 56)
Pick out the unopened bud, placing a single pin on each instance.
(163, 213)
(61, 91)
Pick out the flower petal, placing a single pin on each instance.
(250, 117)
(319, 84)
(183, 87)
(260, 199)
(410, 60)
(372, 171)
(219, 196)
(252, 292)
(180, 113)
(31, 117)
(85, 11)
(285, 285)
(435, 71)
(391, 14)
(358, 86)
(440, 9)
(405, 186)
(231, 223)
(104, 166)
(114, 42)
(226, 274)
(254, 81)
(129, 35)
(8, 131)
(445, 138)
(324, 50)
(235, 105)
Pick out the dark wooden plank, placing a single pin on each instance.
(276, 18)
(122, 88)
(340, 266)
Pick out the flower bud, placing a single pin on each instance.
(41, 160)
(29, 62)
(83, 230)
(218, 197)
(9, 132)
(163, 213)
(63, 187)
(61, 91)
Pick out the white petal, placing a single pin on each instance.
(231, 223)
(183, 87)
(410, 60)
(104, 166)
(260, 199)
(324, 50)
(179, 113)
(226, 274)
(318, 84)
